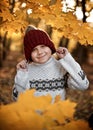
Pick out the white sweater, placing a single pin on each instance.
(50, 77)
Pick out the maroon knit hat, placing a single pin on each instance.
(34, 38)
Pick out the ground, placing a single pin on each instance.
(84, 99)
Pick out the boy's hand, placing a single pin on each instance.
(22, 65)
(61, 52)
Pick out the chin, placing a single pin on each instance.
(42, 61)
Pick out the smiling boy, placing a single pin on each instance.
(44, 73)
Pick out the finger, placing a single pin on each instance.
(62, 51)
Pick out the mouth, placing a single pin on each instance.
(40, 57)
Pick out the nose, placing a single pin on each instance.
(39, 51)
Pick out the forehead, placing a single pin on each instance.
(38, 46)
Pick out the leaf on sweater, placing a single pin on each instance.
(34, 102)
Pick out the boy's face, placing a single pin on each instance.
(41, 54)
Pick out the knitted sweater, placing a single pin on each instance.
(50, 77)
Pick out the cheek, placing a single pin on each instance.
(49, 51)
(33, 55)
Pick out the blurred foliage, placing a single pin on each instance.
(38, 113)
(66, 23)
(31, 112)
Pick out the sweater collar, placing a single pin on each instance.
(46, 63)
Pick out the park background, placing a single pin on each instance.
(69, 23)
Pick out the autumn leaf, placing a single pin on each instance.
(37, 113)
(24, 114)
(43, 2)
(60, 112)
(74, 125)
(20, 119)
(34, 102)
(67, 23)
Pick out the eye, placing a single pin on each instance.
(43, 46)
(34, 50)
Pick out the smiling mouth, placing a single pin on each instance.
(41, 57)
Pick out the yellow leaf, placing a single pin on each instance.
(34, 102)
(74, 125)
(60, 112)
(37, 113)
(24, 114)
(43, 2)
(77, 125)
(20, 119)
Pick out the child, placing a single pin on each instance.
(44, 73)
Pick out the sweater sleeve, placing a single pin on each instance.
(20, 83)
(77, 78)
